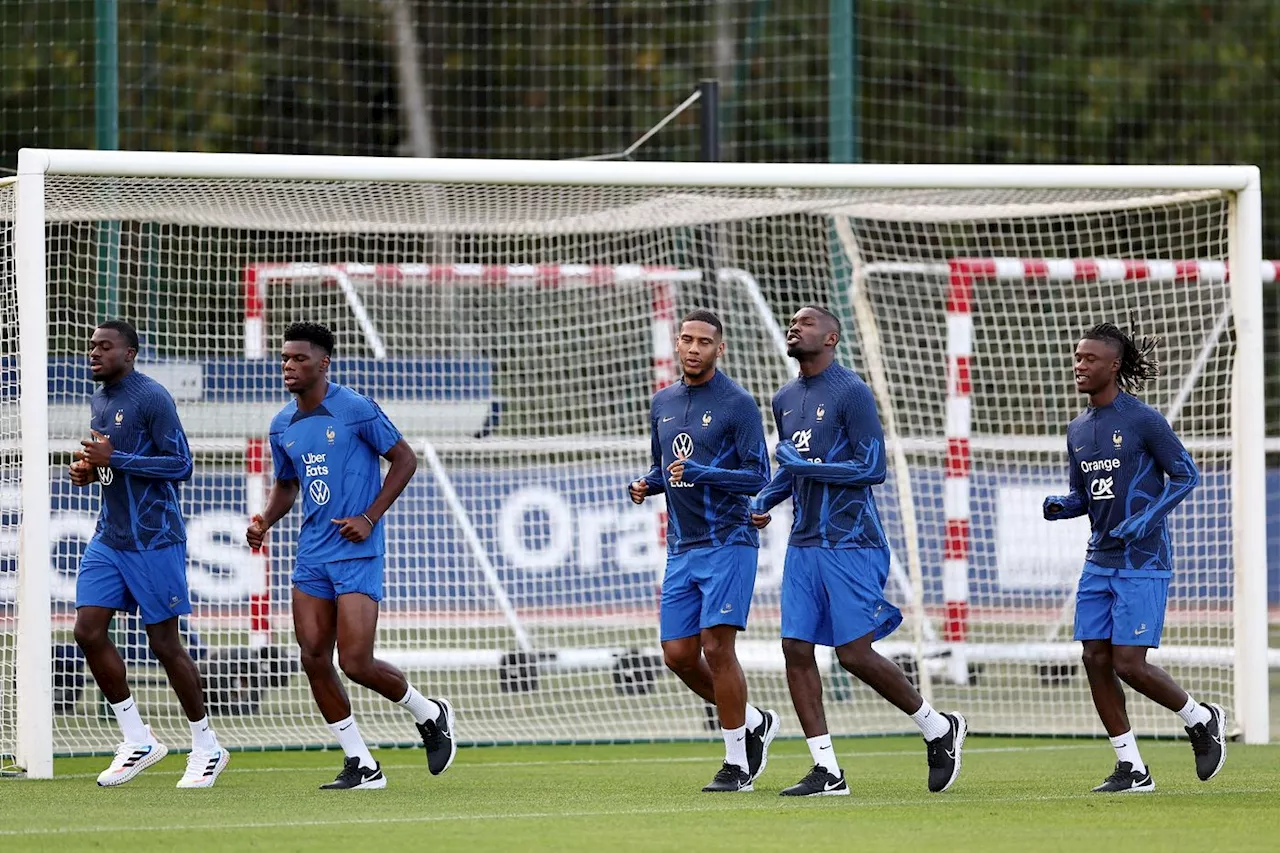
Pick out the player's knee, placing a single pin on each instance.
(797, 654)
(166, 648)
(1129, 669)
(720, 652)
(1096, 659)
(359, 668)
(854, 659)
(681, 658)
(89, 636)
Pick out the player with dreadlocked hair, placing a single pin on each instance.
(1127, 472)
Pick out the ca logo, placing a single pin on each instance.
(801, 439)
(1103, 489)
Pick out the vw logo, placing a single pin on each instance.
(319, 491)
(682, 446)
(105, 476)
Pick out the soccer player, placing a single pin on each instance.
(709, 456)
(830, 455)
(326, 444)
(137, 559)
(1120, 452)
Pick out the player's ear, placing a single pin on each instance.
(720, 350)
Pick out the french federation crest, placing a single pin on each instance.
(822, 410)
(1117, 439)
(119, 416)
(329, 434)
(706, 419)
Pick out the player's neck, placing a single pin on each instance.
(1105, 397)
(811, 367)
(694, 382)
(118, 378)
(313, 396)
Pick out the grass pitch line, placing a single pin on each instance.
(767, 804)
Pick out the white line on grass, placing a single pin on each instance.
(772, 807)
(691, 759)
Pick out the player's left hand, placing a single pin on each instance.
(98, 451)
(685, 470)
(760, 520)
(788, 456)
(354, 529)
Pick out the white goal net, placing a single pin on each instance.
(515, 333)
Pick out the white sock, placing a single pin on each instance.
(754, 717)
(1126, 746)
(202, 736)
(932, 724)
(824, 754)
(421, 707)
(348, 735)
(131, 725)
(1193, 713)
(735, 746)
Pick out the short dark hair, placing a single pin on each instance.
(835, 321)
(702, 315)
(1137, 354)
(125, 329)
(314, 334)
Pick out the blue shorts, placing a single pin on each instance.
(832, 596)
(154, 582)
(707, 587)
(1126, 611)
(330, 580)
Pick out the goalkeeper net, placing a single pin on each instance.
(515, 333)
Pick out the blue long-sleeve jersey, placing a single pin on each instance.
(1119, 457)
(830, 455)
(716, 428)
(140, 508)
(333, 451)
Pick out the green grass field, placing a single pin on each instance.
(1016, 795)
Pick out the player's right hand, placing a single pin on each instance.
(82, 473)
(1052, 506)
(256, 532)
(760, 520)
(639, 491)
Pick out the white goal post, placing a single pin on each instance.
(514, 316)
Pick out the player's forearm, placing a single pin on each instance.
(160, 467)
(852, 473)
(1061, 507)
(404, 462)
(1174, 492)
(746, 481)
(280, 500)
(778, 490)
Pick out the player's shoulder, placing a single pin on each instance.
(149, 392)
(349, 405)
(283, 418)
(729, 389)
(1141, 414)
(666, 393)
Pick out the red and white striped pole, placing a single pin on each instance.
(956, 490)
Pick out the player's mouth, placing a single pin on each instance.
(1082, 378)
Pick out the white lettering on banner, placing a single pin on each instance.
(1032, 553)
(539, 556)
(1100, 465)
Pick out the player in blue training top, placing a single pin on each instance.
(1119, 453)
(326, 444)
(137, 559)
(830, 453)
(709, 456)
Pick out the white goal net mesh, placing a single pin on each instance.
(516, 333)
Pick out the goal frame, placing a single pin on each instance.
(1240, 183)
